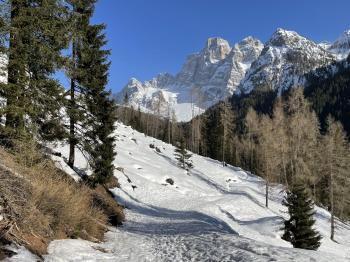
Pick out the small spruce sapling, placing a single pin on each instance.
(182, 156)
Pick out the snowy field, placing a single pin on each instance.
(214, 213)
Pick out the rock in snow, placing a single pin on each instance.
(220, 70)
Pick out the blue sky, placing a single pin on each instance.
(148, 37)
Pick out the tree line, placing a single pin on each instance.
(38, 39)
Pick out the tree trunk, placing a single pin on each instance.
(267, 193)
(72, 122)
(332, 205)
(285, 171)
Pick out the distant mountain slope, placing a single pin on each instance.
(219, 70)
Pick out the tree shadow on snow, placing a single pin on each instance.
(222, 190)
(170, 222)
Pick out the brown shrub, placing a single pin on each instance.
(67, 206)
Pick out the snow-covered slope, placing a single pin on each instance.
(206, 78)
(214, 213)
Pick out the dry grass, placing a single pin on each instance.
(103, 199)
(42, 203)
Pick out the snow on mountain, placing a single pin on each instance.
(206, 78)
(286, 57)
(220, 70)
(341, 47)
(214, 213)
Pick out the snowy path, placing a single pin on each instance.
(214, 214)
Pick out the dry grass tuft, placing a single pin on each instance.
(39, 203)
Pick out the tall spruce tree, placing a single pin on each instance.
(16, 69)
(81, 12)
(182, 156)
(48, 38)
(37, 35)
(298, 229)
(100, 108)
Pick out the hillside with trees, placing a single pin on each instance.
(277, 138)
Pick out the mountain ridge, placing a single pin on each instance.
(219, 70)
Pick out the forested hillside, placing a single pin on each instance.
(328, 90)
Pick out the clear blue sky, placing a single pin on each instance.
(148, 37)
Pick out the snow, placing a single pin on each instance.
(214, 213)
(21, 255)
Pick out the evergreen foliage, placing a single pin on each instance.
(100, 109)
(298, 229)
(328, 89)
(182, 156)
(90, 108)
(81, 12)
(33, 34)
(34, 98)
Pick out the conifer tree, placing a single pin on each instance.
(335, 166)
(279, 142)
(48, 38)
(302, 133)
(298, 229)
(16, 69)
(182, 156)
(37, 35)
(100, 108)
(81, 12)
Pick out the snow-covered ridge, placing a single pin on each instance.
(284, 61)
(219, 70)
(215, 213)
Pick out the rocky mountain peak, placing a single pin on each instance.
(216, 48)
(343, 42)
(286, 57)
(134, 82)
(251, 41)
(248, 49)
(282, 37)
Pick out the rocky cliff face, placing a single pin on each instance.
(206, 78)
(219, 70)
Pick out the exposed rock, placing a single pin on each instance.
(219, 70)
